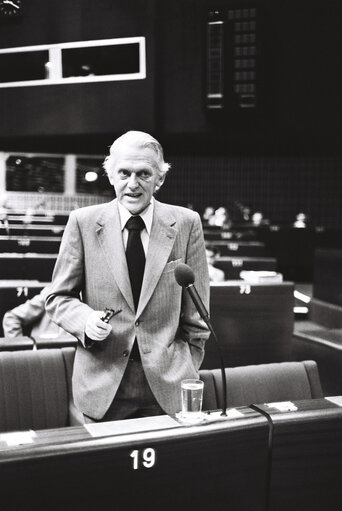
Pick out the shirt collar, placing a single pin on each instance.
(146, 215)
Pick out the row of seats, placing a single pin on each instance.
(272, 455)
(31, 230)
(35, 244)
(18, 254)
(36, 391)
(293, 248)
(238, 248)
(253, 322)
(24, 216)
(39, 266)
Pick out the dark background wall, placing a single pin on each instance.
(77, 116)
(298, 79)
(282, 157)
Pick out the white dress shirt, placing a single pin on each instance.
(146, 215)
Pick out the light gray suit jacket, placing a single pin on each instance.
(168, 329)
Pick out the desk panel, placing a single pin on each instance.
(22, 244)
(33, 230)
(152, 463)
(239, 248)
(232, 266)
(253, 323)
(306, 456)
(328, 276)
(27, 266)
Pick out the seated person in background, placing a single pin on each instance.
(259, 219)
(30, 318)
(221, 218)
(215, 274)
(207, 214)
(301, 221)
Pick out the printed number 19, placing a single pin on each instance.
(148, 455)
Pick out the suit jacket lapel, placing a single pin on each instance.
(160, 245)
(110, 239)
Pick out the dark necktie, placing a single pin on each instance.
(135, 256)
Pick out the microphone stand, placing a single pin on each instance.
(205, 316)
(223, 372)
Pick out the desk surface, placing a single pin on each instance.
(50, 442)
(154, 463)
(306, 455)
(25, 444)
(157, 463)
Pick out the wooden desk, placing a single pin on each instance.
(27, 266)
(312, 341)
(306, 456)
(34, 219)
(57, 217)
(292, 247)
(328, 276)
(32, 230)
(232, 266)
(239, 248)
(37, 244)
(185, 468)
(253, 323)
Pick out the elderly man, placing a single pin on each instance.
(122, 256)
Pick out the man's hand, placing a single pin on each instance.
(95, 328)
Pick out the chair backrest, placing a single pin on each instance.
(264, 383)
(35, 389)
(16, 343)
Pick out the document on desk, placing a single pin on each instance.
(337, 400)
(131, 426)
(15, 438)
(283, 406)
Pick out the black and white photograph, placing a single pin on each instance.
(170, 255)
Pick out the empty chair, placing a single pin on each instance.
(35, 390)
(264, 383)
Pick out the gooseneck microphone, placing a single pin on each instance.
(185, 277)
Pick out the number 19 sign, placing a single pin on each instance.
(145, 458)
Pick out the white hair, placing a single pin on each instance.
(138, 139)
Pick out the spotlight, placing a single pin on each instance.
(91, 176)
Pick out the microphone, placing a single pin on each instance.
(185, 277)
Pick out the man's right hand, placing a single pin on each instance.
(95, 328)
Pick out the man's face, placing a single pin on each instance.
(135, 177)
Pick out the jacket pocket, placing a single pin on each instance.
(172, 265)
